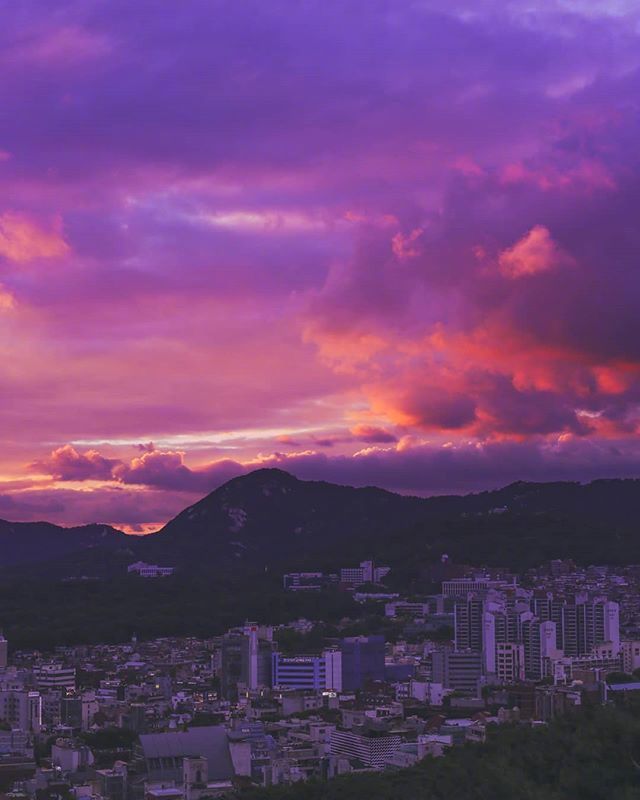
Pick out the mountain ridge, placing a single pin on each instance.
(269, 519)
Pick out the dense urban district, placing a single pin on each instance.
(441, 680)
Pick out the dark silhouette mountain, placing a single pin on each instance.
(231, 548)
(32, 542)
(270, 520)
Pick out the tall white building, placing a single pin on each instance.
(509, 662)
(22, 710)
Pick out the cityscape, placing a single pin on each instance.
(185, 718)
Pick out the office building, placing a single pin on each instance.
(21, 710)
(540, 647)
(366, 572)
(460, 670)
(468, 622)
(362, 661)
(510, 667)
(245, 659)
(55, 676)
(310, 672)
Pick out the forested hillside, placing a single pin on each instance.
(592, 755)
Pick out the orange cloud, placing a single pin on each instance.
(535, 252)
(21, 240)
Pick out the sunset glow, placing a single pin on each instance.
(397, 248)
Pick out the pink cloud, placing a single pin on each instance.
(312, 264)
(67, 464)
(587, 173)
(7, 300)
(407, 246)
(535, 252)
(23, 240)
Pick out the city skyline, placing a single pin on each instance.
(390, 244)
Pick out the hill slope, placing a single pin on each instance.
(271, 520)
(34, 542)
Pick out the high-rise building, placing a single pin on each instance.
(548, 608)
(21, 710)
(468, 621)
(245, 659)
(510, 666)
(581, 623)
(539, 641)
(603, 623)
(362, 661)
(4, 652)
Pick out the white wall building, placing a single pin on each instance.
(144, 570)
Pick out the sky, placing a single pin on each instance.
(388, 242)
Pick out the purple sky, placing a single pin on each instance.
(371, 242)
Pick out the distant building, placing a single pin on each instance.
(408, 609)
(55, 676)
(461, 670)
(144, 570)
(362, 661)
(69, 756)
(246, 659)
(311, 672)
(164, 753)
(468, 623)
(308, 581)
(16, 742)
(367, 572)
(78, 712)
(460, 587)
(554, 701)
(371, 748)
(581, 623)
(509, 662)
(4, 651)
(112, 783)
(21, 710)
(630, 655)
(481, 584)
